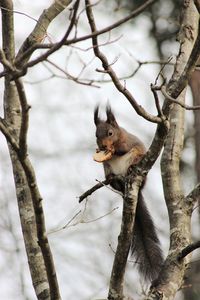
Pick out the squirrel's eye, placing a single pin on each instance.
(110, 132)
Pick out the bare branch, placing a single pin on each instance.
(81, 221)
(193, 196)
(159, 110)
(73, 78)
(93, 189)
(20, 13)
(24, 119)
(171, 276)
(108, 69)
(39, 31)
(101, 217)
(97, 186)
(41, 228)
(124, 238)
(54, 48)
(175, 87)
(39, 215)
(27, 52)
(4, 129)
(168, 97)
(6, 63)
(187, 250)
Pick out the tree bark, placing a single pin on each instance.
(12, 112)
(172, 274)
(15, 127)
(192, 290)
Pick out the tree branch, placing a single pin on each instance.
(93, 189)
(168, 97)
(24, 119)
(29, 200)
(193, 196)
(124, 239)
(27, 53)
(171, 275)
(108, 69)
(54, 48)
(40, 29)
(6, 132)
(159, 110)
(41, 228)
(187, 250)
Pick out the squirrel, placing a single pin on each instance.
(128, 150)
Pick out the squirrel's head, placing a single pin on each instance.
(107, 132)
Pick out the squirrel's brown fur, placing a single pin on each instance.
(128, 150)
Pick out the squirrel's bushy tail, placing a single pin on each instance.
(145, 243)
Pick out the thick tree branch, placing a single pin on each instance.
(39, 214)
(124, 239)
(8, 36)
(24, 105)
(12, 121)
(179, 81)
(171, 275)
(14, 127)
(41, 228)
(8, 135)
(24, 119)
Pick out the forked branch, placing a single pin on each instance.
(109, 70)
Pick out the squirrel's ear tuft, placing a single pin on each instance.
(96, 117)
(110, 116)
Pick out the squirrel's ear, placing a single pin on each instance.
(96, 117)
(110, 116)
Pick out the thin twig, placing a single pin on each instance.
(81, 221)
(71, 77)
(162, 68)
(20, 13)
(101, 217)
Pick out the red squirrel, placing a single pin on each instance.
(128, 150)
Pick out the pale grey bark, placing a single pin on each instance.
(172, 274)
(14, 126)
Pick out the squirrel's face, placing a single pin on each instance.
(107, 132)
(107, 136)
